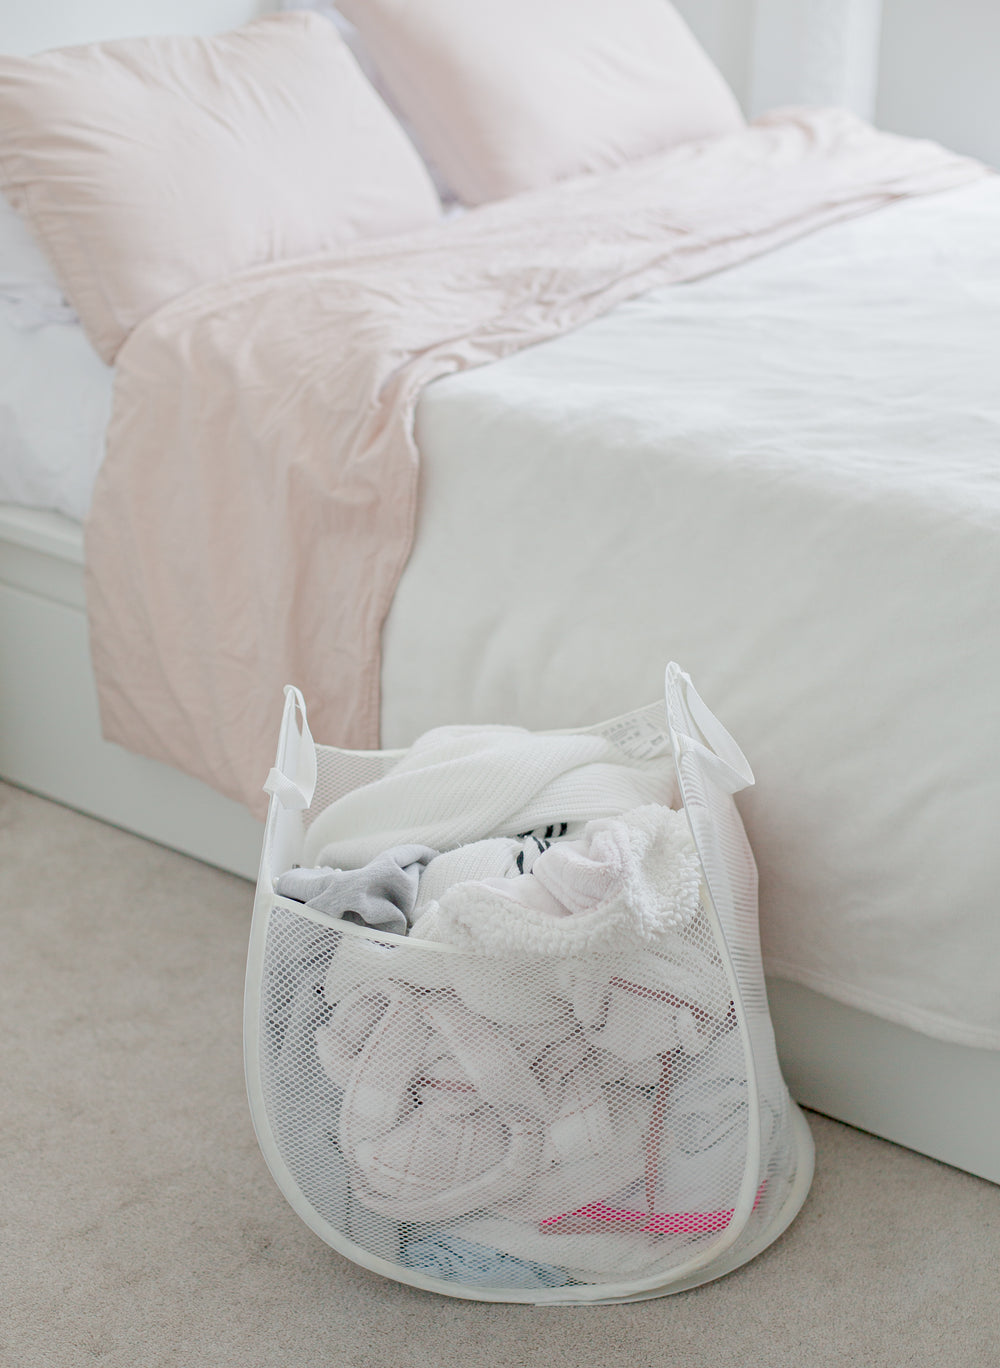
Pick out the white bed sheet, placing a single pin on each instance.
(55, 402)
(785, 476)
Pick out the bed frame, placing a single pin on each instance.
(935, 1097)
(50, 736)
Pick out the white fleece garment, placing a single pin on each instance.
(629, 881)
(461, 784)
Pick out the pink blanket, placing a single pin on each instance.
(257, 502)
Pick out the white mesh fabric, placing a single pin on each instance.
(459, 784)
(731, 877)
(339, 772)
(526, 1128)
(523, 1125)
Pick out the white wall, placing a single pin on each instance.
(725, 30)
(814, 52)
(28, 26)
(939, 73)
(775, 52)
(927, 68)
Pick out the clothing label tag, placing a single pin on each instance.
(639, 734)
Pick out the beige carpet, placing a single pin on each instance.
(141, 1228)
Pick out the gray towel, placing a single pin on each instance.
(382, 894)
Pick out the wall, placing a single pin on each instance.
(28, 26)
(725, 30)
(939, 73)
(927, 68)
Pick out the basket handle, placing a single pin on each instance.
(296, 753)
(687, 712)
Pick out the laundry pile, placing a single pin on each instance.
(544, 1083)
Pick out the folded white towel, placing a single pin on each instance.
(456, 785)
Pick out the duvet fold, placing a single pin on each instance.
(257, 502)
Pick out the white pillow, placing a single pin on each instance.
(513, 95)
(365, 61)
(27, 284)
(150, 166)
(55, 402)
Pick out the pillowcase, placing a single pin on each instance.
(149, 166)
(363, 58)
(511, 95)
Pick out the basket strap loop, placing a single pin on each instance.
(298, 754)
(688, 713)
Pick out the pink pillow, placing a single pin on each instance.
(510, 95)
(149, 166)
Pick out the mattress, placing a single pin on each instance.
(783, 476)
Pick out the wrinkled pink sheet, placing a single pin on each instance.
(257, 502)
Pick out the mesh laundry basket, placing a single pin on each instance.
(530, 1128)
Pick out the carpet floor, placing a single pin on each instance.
(141, 1228)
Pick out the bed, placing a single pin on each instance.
(857, 668)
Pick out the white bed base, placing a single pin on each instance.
(50, 736)
(935, 1097)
